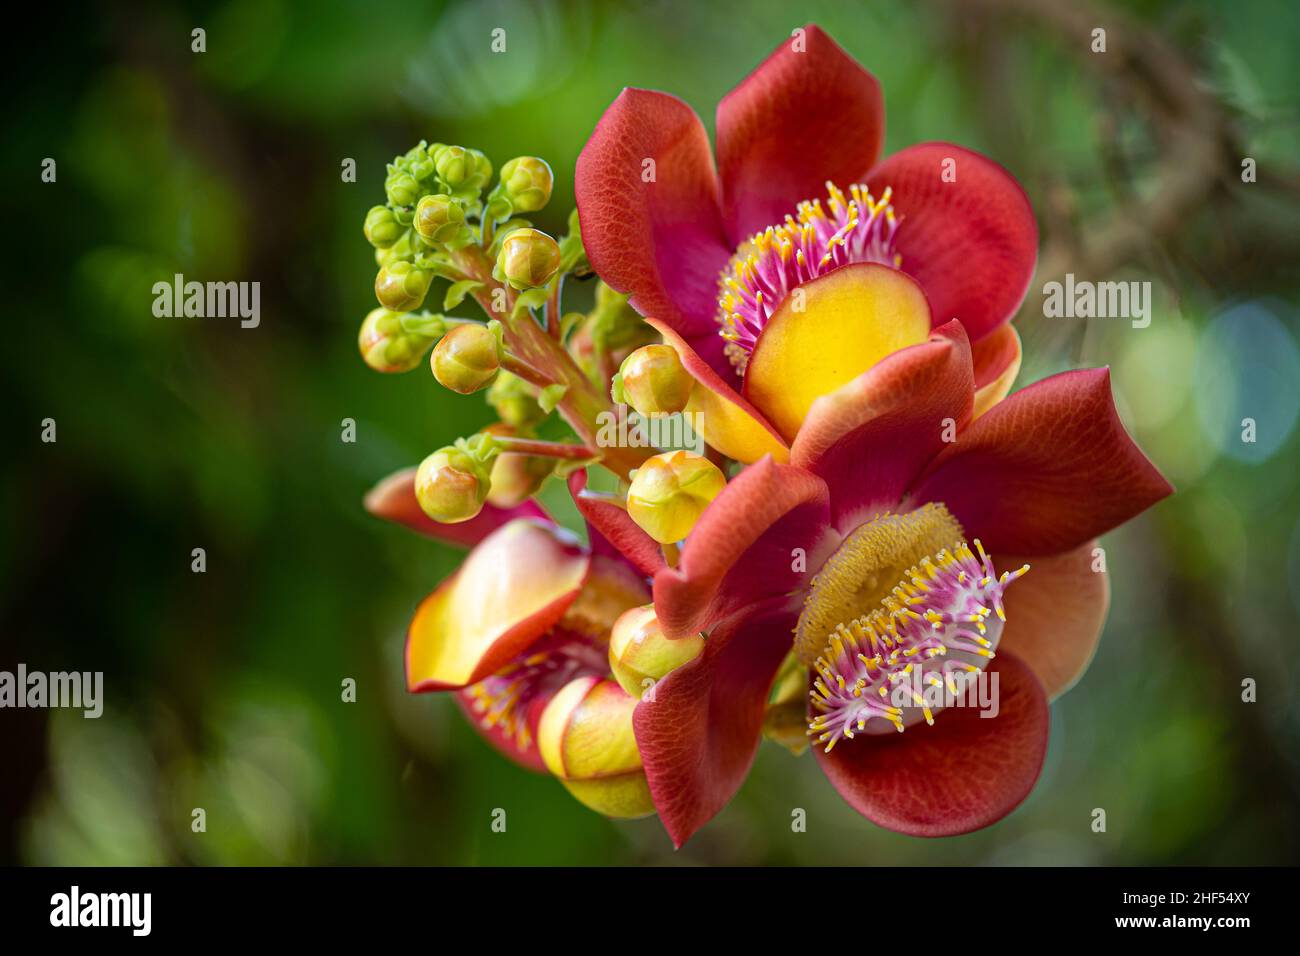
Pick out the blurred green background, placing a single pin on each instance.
(223, 688)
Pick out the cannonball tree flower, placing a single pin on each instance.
(519, 634)
(773, 295)
(904, 540)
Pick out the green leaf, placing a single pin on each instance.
(457, 292)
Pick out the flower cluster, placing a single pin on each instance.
(878, 531)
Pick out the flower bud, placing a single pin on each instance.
(440, 218)
(382, 228)
(451, 486)
(639, 654)
(401, 286)
(527, 182)
(386, 346)
(460, 168)
(670, 492)
(467, 358)
(402, 188)
(585, 738)
(653, 381)
(514, 400)
(528, 259)
(516, 477)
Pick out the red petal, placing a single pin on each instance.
(743, 548)
(963, 773)
(870, 438)
(698, 735)
(971, 243)
(800, 119)
(393, 499)
(616, 526)
(662, 241)
(1045, 470)
(1055, 614)
(530, 758)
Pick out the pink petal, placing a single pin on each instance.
(661, 241)
(869, 439)
(972, 243)
(800, 119)
(963, 773)
(1044, 470)
(743, 548)
(698, 735)
(393, 499)
(1055, 614)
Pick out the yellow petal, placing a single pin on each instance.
(828, 332)
(510, 591)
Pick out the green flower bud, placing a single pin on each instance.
(386, 346)
(528, 258)
(401, 286)
(440, 218)
(451, 485)
(467, 358)
(514, 400)
(527, 182)
(455, 165)
(653, 381)
(382, 228)
(402, 188)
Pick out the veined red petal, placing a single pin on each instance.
(967, 232)
(654, 231)
(393, 499)
(809, 113)
(1044, 470)
(870, 438)
(698, 734)
(963, 773)
(745, 547)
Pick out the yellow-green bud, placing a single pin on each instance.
(451, 486)
(402, 188)
(382, 228)
(386, 346)
(461, 168)
(467, 358)
(527, 182)
(640, 655)
(440, 218)
(585, 738)
(401, 286)
(514, 400)
(528, 259)
(653, 381)
(670, 492)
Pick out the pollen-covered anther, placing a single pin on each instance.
(939, 626)
(817, 239)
